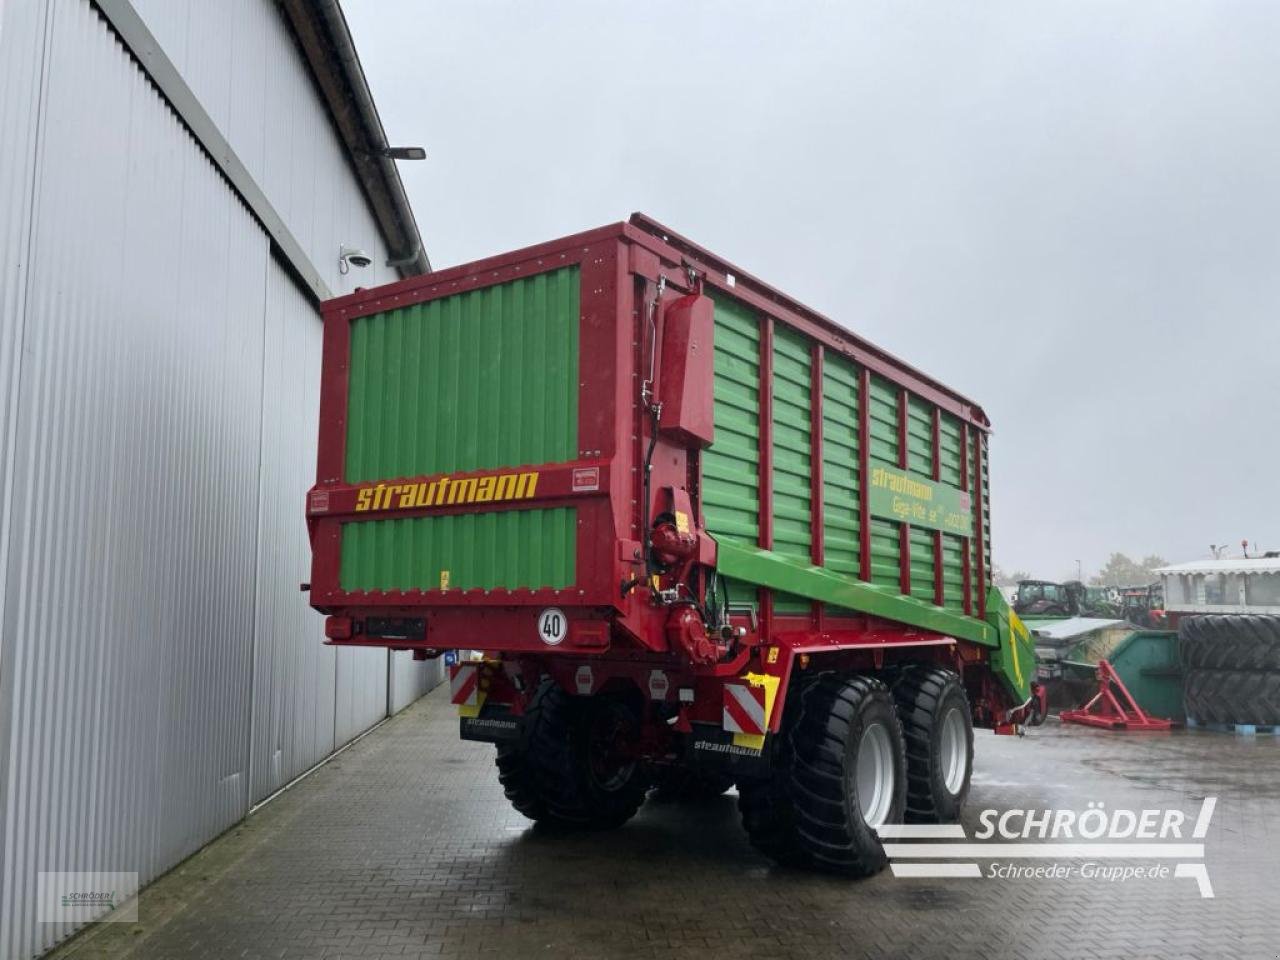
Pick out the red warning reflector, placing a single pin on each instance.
(658, 685)
(586, 479)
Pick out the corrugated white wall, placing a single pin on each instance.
(410, 680)
(159, 669)
(243, 65)
(293, 727)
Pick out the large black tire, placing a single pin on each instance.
(1236, 642)
(810, 811)
(553, 775)
(937, 727)
(1233, 696)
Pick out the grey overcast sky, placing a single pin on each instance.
(1069, 212)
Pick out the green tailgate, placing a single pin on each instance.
(479, 380)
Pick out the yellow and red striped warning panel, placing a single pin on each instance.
(468, 686)
(748, 708)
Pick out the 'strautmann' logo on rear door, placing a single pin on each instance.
(447, 492)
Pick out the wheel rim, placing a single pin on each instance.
(955, 752)
(607, 762)
(875, 775)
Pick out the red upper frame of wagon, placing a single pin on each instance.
(672, 252)
(599, 481)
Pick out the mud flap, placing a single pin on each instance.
(493, 724)
(710, 748)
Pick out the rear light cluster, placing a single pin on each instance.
(392, 628)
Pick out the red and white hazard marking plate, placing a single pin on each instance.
(744, 708)
(464, 684)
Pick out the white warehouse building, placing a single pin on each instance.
(177, 178)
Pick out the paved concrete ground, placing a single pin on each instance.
(404, 847)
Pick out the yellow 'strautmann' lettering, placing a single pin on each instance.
(897, 483)
(447, 491)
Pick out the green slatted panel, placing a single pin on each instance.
(953, 571)
(731, 466)
(883, 415)
(841, 520)
(509, 549)
(922, 564)
(975, 540)
(480, 380)
(920, 460)
(486, 378)
(986, 510)
(840, 481)
(792, 445)
(981, 541)
(920, 436)
(885, 562)
(886, 540)
(950, 441)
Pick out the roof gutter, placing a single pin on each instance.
(325, 39)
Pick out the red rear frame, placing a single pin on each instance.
(621, 267)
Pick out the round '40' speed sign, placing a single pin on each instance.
(553, 626)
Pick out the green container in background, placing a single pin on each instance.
(1147, 662)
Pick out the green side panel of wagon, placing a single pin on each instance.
(792, 446)
(731, 465)
(731, 496)
(841, 479)
(886, 535)
(480, 380)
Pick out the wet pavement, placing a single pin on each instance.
(403, 847)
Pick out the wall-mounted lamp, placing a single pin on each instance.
(404, 153)
(349, 257)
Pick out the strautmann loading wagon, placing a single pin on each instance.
(702, 535)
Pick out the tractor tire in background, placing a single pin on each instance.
(564, 771)
(840, 772)
(1233, 696)
(1229, 642)
(937, 728)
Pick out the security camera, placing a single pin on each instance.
(352, 257)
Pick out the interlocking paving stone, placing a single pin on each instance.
(403, 847)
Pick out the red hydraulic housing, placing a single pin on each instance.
(688, 368)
